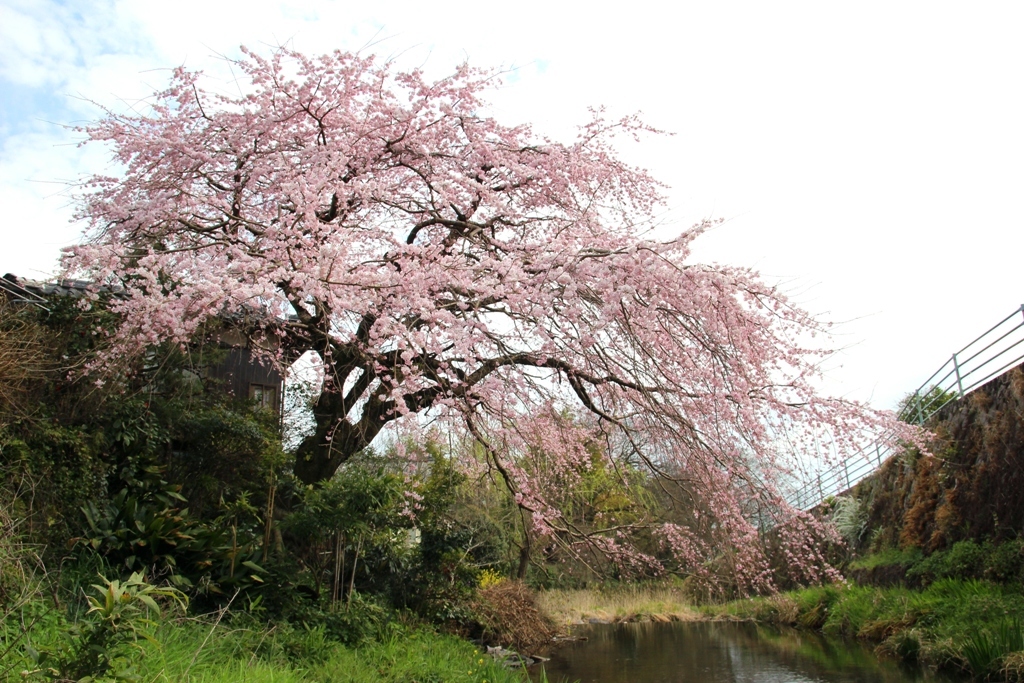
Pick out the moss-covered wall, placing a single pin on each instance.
(970, 487)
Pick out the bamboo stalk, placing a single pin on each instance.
(352, 579)
(335, 593)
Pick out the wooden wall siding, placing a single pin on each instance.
(239, 369)
(236, 373)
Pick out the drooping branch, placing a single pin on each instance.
(439, 261)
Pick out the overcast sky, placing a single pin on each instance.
(868, 155)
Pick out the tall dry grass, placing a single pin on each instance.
(620, 603)
(23, 359)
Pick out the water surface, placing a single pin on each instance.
(718, 652)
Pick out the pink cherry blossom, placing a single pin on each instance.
(439, 262)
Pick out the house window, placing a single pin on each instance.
(264, 395)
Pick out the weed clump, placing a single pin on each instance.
(986, 652)
(508, 615)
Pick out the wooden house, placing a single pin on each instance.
(238, 370)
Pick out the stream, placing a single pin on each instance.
(717, 652)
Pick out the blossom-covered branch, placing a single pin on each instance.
(437, 260)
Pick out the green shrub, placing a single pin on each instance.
(966, 559)
(1005, 561)
(969, 560)
(360, 621)
(142, 526)
(102, 643)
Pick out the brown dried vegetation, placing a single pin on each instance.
(970, 487)
(509, 616)
(23, 360)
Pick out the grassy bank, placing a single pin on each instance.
(617, 603)
(243, 649)
(966, 625)
(262, 654)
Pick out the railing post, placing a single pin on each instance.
(917, 405)
(959, 383)
(878, 453)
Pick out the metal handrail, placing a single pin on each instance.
(1003, 343)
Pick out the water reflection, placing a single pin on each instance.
(718, 653)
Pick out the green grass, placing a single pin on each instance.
(241, 649)
(411, 655)
(968, 625)
(891, 556)
(985, 650)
